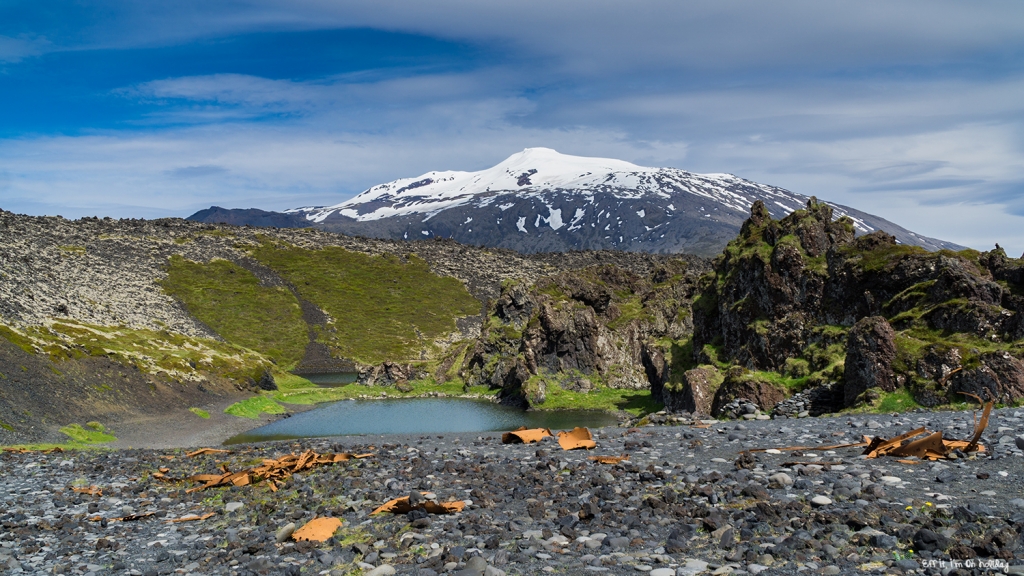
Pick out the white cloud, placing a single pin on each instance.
(16, 49)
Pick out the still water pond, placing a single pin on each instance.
(417, 416)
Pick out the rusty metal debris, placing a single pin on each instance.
(273, 471)
(569, 440)
(932, 447)
(609, 459)
(522, 435)
(979, 427)
(317, 529)
(207, 451)
(403, 505)
(576, 438)
(192, 518)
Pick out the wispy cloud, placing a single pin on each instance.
(16, 49)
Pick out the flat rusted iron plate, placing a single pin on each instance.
(192, 518)
(927, 447)
(879, 446)
(317, 529)
(202, 451)
(575, 439)
(402, 506)
(523, 435)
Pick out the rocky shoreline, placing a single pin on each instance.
(684, 503)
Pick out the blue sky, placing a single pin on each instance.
(910, 110)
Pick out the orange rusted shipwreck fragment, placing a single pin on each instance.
(207, 451)
(317, 529)
(273, 471)
(522, 435)
(192, 518)
(576, 438)
(404, 506)
(931, 447)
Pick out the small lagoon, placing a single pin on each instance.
(417, 416)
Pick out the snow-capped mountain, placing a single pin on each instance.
(540, 200)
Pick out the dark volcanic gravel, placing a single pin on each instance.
(684, 504)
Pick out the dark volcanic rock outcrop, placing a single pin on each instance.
(870, 351)
(739, 384)
(804, 298)
(598, 327)
(695, 393)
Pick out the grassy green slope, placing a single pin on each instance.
(179, 357)
(384, 309)
(230, 300)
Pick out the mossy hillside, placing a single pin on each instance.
(254, 407)
(178, 357)
(383, 308)
(91, 433)
(230, 300)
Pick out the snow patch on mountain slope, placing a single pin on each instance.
(535, 173)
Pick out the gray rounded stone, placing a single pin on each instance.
(285, 532)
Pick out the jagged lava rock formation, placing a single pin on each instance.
(582, 330)
(801, 302)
